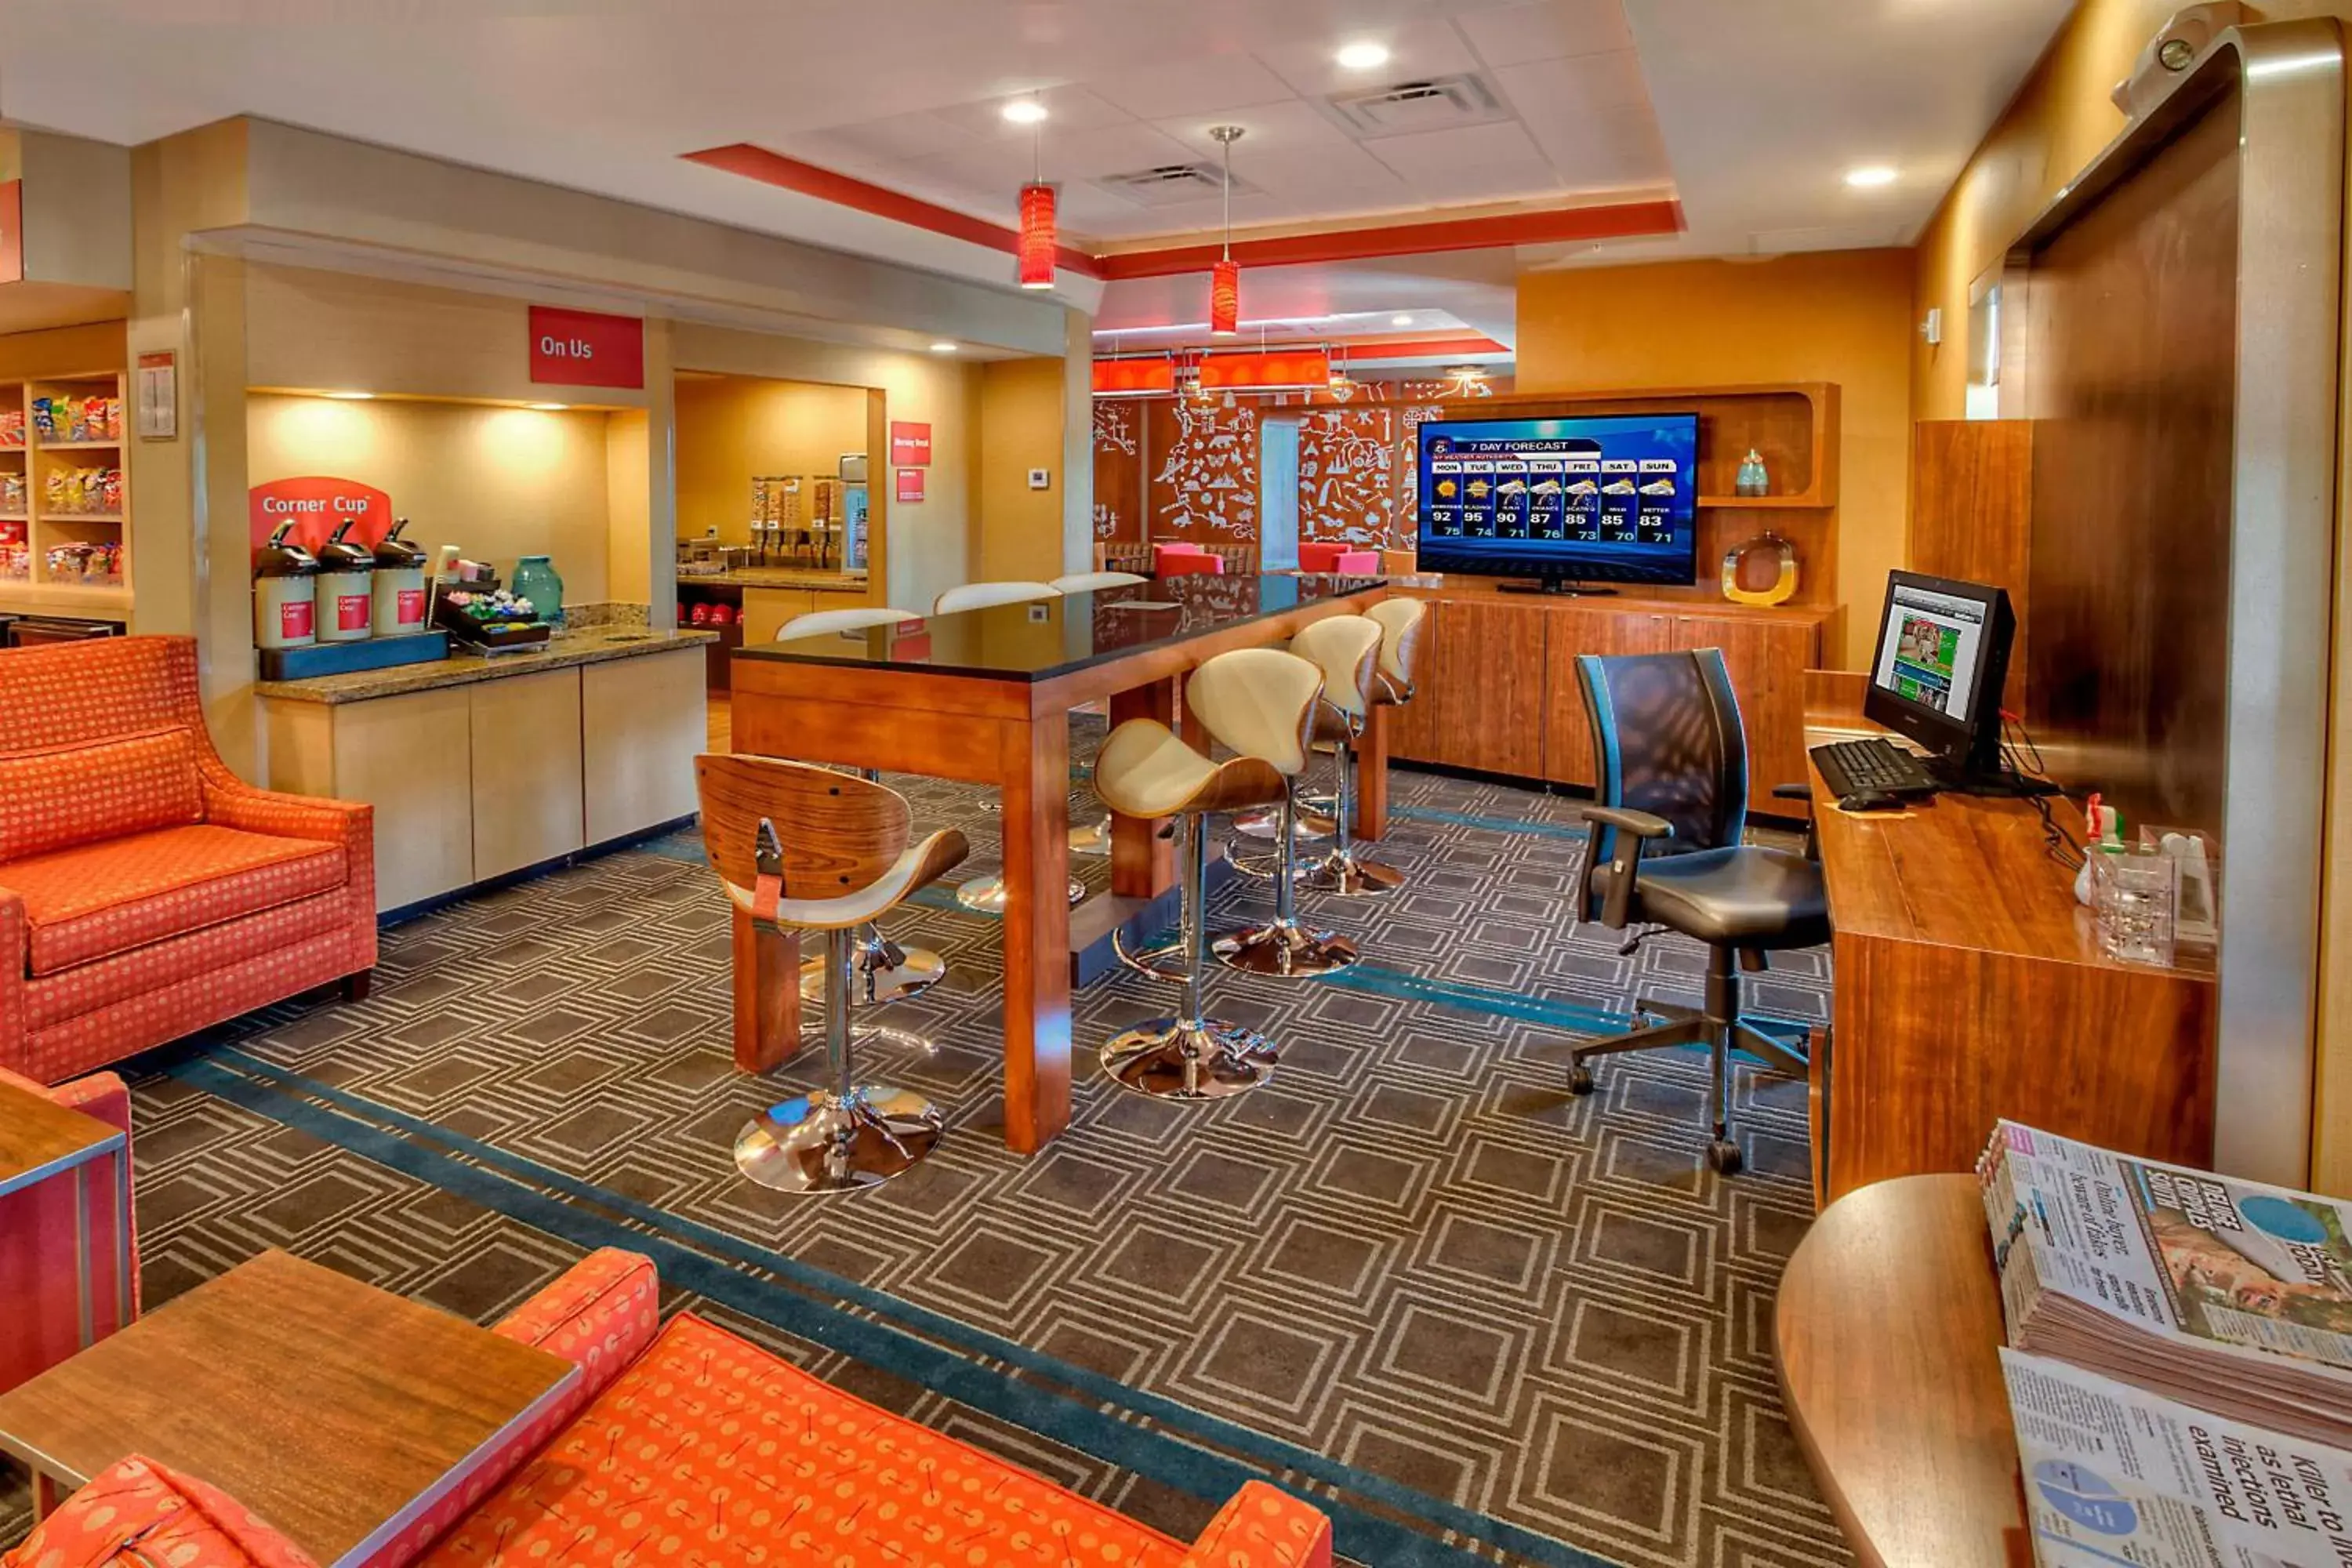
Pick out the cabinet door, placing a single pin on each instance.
(767, 609)
(1766, 661)
(1579, 629)
(643, 721)
(1490, 712)
(1412, 727)
(526, 738)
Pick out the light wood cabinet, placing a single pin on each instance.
(638, 717)
(527, 798)
(411, 758)
(1499, 691)
(767, 609)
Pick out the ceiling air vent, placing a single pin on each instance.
(1440, 103)
(1172, 184)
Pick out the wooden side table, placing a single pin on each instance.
(40, 1140)
(337, 1412)
(1889, 1330)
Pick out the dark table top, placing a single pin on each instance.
(1051, 637)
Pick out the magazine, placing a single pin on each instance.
(2113, 1475)
(2230, 1294)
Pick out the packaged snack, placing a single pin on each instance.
(12, 426)
(13, 498)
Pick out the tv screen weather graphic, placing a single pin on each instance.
(1600, 500)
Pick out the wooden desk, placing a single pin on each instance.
(1970, 986)
(338, 1412)
(985, 697)
(41, 1140)
(1888, 1332)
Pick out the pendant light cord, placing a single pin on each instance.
(1228, 145)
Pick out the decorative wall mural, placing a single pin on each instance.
(1118, 469)
(1346, 460)
(1204, 480)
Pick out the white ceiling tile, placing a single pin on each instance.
(1068, 109)
(1591, 117)
(1114, 150)
(1272, 128)
(1189, 88)
(897, 136)
(1464, 153)
(1416, 51)
(1546, 29)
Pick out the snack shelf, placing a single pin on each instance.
(1769, 503)
(73, 447)
(47, 516)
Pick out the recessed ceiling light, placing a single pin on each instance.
(1025, 112)
(352, 396)
(548, 407)
(1868, 175)
(1364, 57)
(1402, 319)
(943, 348)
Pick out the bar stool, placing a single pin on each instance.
(1095, 582)
(1342, 870)
(886, 971)
(1344, 648)
(1260, 702)
(806, 849)
(986, 895)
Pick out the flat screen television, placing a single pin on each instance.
(1606, 499)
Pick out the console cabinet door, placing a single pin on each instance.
(1579, 629)
(1766, 661)
(1490, 714)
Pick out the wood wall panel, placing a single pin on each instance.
(1348, 460)
(1202, 462)
(1972, 513)
(1119, 470)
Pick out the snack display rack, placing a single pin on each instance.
(64, 500)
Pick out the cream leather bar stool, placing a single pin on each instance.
(886, 972)
(986, 895)
(1093, 581)
(1344, 648)
(1259, 703)
(1342, 870)
(809, 849)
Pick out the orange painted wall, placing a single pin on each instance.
(1842, 316)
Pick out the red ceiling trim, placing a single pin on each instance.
(1421, 348)
(1567, 225)
(842, 190)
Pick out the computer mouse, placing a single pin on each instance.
(1870, 800)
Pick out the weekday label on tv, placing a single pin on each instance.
(1601, 500)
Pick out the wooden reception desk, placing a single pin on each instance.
(1970, 986)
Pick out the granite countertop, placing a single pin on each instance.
(565, 649)
(777, 577)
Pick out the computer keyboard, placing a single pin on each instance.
(1852, 767)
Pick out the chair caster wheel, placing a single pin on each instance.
(1580, 1080)
(1723, 1153)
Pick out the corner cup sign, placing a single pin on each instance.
(586, 348)
(316, 504)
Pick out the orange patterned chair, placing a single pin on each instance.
(695, 1448)
(146, 891)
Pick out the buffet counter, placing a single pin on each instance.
(778, 577)
(483, 767)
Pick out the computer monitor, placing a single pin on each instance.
(1941, 659)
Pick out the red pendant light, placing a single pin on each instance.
(1225, 277)
(1038, 240)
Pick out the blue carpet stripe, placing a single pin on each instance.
(1490, 824)
(269, 1090)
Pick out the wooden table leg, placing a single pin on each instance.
(1142, 862)
(767, 995)
(1372, 776)
(1035, 759)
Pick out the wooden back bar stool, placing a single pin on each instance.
(1344, 648)
(807, 848)
(1343, 870)
(886, 971)
(1257, 701)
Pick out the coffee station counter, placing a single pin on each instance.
(779, 578)
(590, 645)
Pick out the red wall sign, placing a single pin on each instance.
(1135, 378)
(910, 484)
(586, 348)
(1272, 371)
(317, 505)
(910, 444)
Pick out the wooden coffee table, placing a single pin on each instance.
(41, 1140)
(335, 1411)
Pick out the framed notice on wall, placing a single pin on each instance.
(157, 400)
(910, 484)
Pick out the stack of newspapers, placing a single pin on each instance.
(2180, 1359)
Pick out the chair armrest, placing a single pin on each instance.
(1262, 1526)
(1792, 792)
(249, 810)
(1638, 828)
(16, 965)
(98, 1094)
(138, 1512)
(601, 1313)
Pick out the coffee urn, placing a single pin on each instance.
(284, 615)
(345, 600)
(402, 605)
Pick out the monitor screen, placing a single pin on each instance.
(1943, 652)
(1602, 499)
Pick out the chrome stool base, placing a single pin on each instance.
(1200, 1059)
(1153, 958)
(824, 1142)
(988, 895)
(1352, 878)
(1092, 839)
(876, 982)
(1313, 825)
(1285, 949)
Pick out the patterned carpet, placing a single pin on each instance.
(1477, 1319)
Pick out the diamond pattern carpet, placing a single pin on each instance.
(1479, 1319)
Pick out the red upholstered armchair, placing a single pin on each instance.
(37, 1285)
(145, 891)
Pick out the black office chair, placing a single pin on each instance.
(1674, 783)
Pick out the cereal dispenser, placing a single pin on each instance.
(283, 612)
